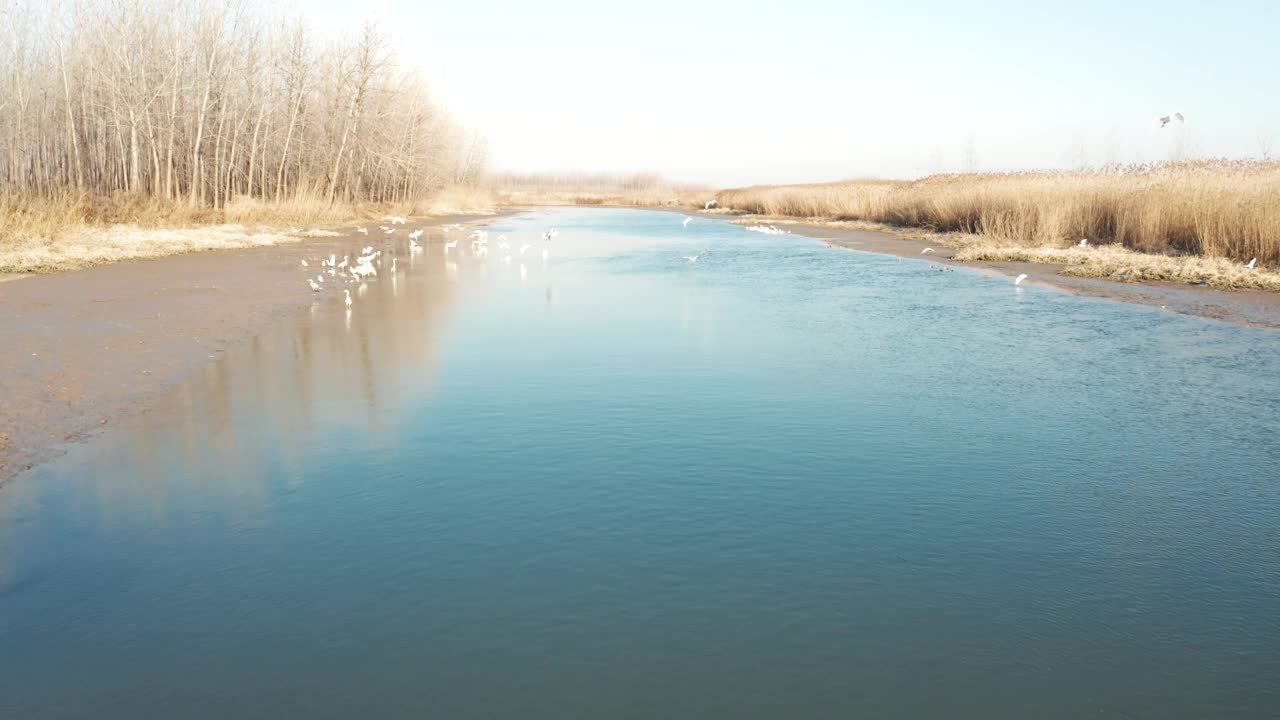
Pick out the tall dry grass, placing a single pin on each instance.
(1217, 209)
(73, 231)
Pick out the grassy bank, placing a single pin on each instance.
(1183, 221)
(40, 235)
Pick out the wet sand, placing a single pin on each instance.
(79, 350)
(1255, 308)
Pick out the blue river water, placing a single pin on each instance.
(784, 480)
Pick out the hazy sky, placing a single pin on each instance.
(744, 92)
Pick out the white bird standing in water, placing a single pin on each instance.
(344, 262)
(397, 220)
(926, 250)
(1252, 263)
(348, 292)
(687, 221)
(1084, 242)
(1019, 279)
(315, 287)
(363, 231)
(304, 263)
(451, 245)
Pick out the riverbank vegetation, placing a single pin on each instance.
(183, 112)
(1222, 212)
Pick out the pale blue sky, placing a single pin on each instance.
(743, 92)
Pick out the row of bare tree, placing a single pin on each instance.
(202, 101)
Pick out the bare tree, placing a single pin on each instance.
(203, 100)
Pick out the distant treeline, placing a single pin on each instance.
(203, 101)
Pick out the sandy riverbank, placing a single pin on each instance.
(80, 349)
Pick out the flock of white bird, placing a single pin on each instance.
(367, 262)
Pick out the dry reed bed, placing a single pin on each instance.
(1216, 210)
(41, 235)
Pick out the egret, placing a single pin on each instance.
(691, 259)
(304, 263)
(687, 221)
(1084, 242)
(397, 220)
(1252, 263)
(295, 230)
(315, 287)
(1166, 119)
(333, 261)
(415, 234)
(710, 204)
(451, 245)
(348, 292)
(926, 250)
(363, 231)
(393, 264)
(344, 262)
(389, 231)
(1019, 279)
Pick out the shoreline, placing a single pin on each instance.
(1252, 308)
(81, 349)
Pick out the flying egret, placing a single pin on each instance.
(315, 287)
(1252, 263)
(687, 221)
(348, 292)
(1166, 119)
(1019, 279)
(1084, 242)
(363, 231)
(926, 250)
(691, 259)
